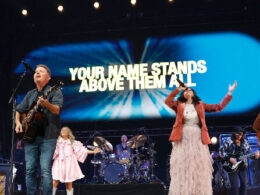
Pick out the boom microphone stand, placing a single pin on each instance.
(13, 100)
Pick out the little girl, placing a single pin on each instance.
(65, 167)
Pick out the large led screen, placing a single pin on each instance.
(105, 82)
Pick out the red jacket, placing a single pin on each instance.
(201, 108)
(256, 126)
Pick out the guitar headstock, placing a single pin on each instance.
(55, 87)
(58, 85)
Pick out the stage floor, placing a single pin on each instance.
(132, 189)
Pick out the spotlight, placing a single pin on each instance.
(171, 1)
(96, 5)
(133, 2)
(214, 140)
(25, 12)
(60, 8)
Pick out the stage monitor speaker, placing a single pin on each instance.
(4, 178)
(251, 138)
(224, 137)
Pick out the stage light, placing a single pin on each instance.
(214, 140)
(25, 12)
(171, 1)
(60, 8)
(96, 5)
(133, 2)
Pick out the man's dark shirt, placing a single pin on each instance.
(50, 127)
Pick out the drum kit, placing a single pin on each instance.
(134, 165)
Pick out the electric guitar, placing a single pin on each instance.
(34, 114)
(230, 168)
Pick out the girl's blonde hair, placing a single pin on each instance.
(71, 136)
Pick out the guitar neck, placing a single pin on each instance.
(45, 95)
(247, 156)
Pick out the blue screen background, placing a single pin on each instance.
(230, 56)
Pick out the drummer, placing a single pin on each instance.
(122, 151)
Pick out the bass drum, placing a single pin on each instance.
(114, 173)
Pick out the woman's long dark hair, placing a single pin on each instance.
(195, 98)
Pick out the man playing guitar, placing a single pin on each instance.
(41, 147)
(235, 151)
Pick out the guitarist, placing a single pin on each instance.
(41, 149)
(230, 151)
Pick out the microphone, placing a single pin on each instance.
(181, 83)
(28, 67)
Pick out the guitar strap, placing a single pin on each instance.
(40, 125)
(41, 93)
(239, 151)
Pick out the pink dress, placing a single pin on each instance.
(65, 167)
(191, 162)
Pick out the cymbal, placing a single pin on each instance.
(91, 147)
(136, 141)
(102, 142)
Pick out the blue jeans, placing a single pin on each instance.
(239, 175)
(41, 149)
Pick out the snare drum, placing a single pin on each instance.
(112, 158)
(125, 157)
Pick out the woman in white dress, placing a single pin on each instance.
(191, 162)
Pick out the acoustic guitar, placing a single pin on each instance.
(34, 115)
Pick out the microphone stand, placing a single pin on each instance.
(94, 160)
(94, 176)
(13, 100)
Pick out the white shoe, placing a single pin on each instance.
(54, 191)
(69, 192)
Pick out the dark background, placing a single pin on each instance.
(115, 19)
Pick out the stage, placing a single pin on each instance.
(132, 189)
